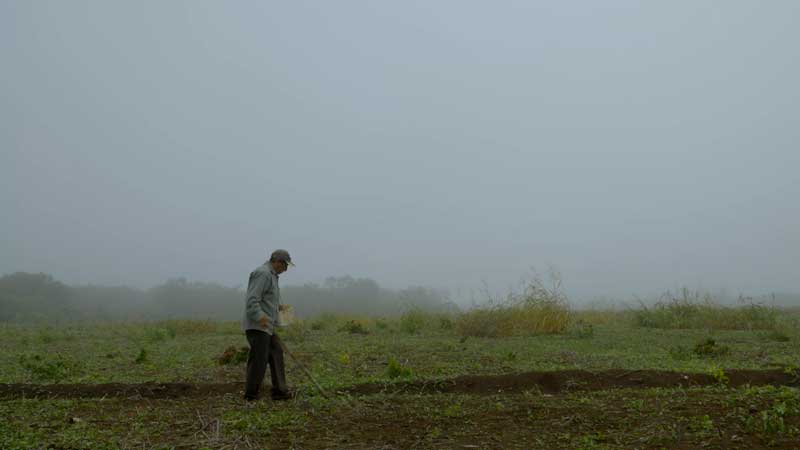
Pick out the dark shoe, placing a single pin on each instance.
(250, 399)
(282, 395)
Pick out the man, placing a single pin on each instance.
(260, 322)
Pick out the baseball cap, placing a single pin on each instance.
(281, 255)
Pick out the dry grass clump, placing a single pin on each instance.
(693, 310)
(537, 310)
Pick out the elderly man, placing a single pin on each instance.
(262, 303)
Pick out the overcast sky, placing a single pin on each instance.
(635, 145)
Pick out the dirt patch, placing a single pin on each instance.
(143, 390)
(546, 382)
(578, 380)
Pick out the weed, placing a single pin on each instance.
(592, 441)
(395, 369)
(709, 347)
(701, 424)
(353, 327)
(141, 357)
(454, 410)
(692, 310)
(50, 369)
(232, 355)
(537, 310)
(719, 375)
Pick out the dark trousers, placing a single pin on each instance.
(264, 349)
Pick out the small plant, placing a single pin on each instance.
(454, 410)
(232, 355)
(709, 347)
(718, 373)
(344, 359)
(141, 357)
(318, 325)
(353, 327)
(395, 369)
(592, 441)
(49, 369)
(701, 424)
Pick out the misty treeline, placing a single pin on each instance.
(40, 297)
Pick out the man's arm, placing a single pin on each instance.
(255, 287)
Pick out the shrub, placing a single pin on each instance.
(395, 369)
(537, 310)
(413, 320)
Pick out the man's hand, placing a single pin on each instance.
(263, 321)
(283, 308)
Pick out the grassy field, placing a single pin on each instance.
(602, 380)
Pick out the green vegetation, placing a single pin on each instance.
(534, 331)
(693, 310)
(537, 310)
(395, 369)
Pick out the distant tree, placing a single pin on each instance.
(25, 296)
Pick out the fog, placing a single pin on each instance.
(636, 146)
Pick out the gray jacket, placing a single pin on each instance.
(263, 298)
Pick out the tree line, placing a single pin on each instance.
(40, 297)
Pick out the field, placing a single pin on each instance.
(631, 379)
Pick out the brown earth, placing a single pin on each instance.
(579, 380)
(546, 382)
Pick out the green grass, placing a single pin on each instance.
(390, 349)
(112, 352)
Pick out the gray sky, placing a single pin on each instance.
(635, 145)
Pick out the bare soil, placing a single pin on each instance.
(546, 382)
